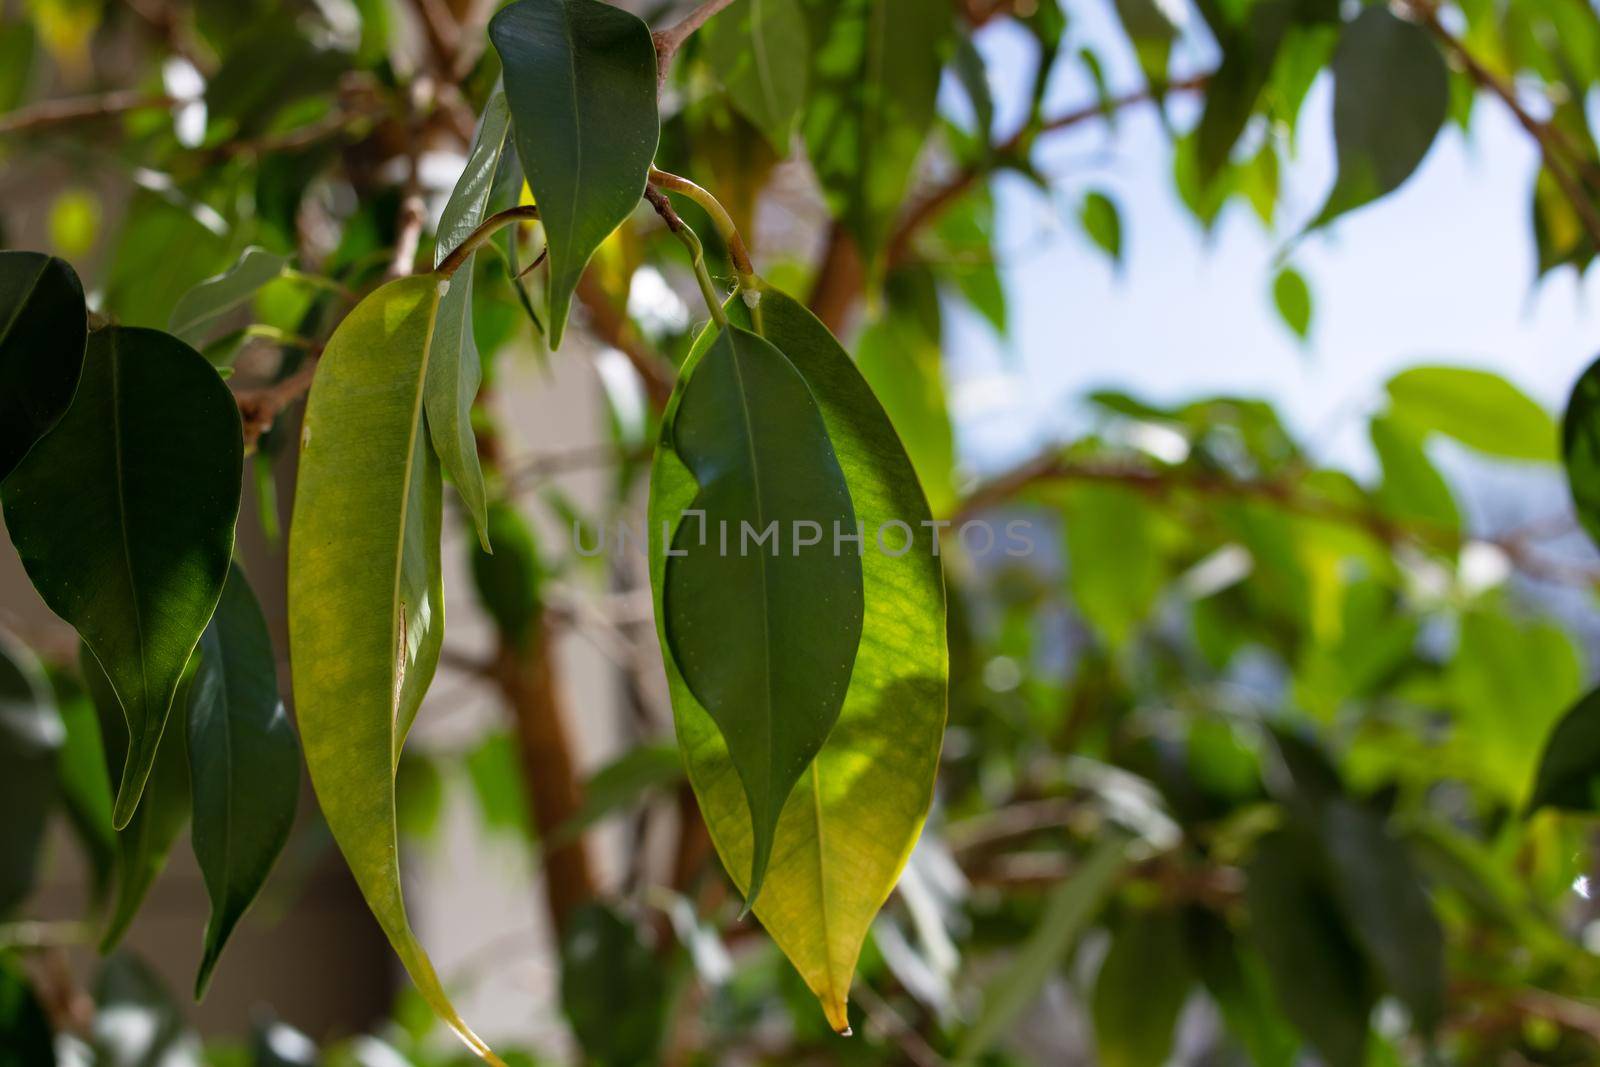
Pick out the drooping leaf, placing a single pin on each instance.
(580, 77)
(1071, 906)
(365, 596)
(761, 52)
(454, 370)
(613, 989)
(1103, 223)
(143, 845)
(1580, 448)
(1569, 772)
(137, 1023)
(1236, 979)
(1249, 50)
(508, 582)
(1391, 95)
(1319, 976)
(874, 86)
(26, 1039)
(1142, 985)
(43, 326)
(31, 736)
(850, 824)
(1292, 297)
(1480, 409)
(968, 65)
(244, 765)
(199, 310)
(124, 519)
(765, 634)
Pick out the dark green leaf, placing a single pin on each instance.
(765, 635)
(874, 87)
(43, 326)
(580, 76)
(1319, 974)
(1248, 52)
(507, 582)
(31, 736)
(1391, 94)
(244, 765)
(136, 1023)
(1236, 979)
(1143, 983)
(25, 1036)
(1580, 448)
(1292, 297)
(1150, 29)
(199, 310)
(124, 519)
(1569, 772)
(1477, 408)
(1103, 223)
(1412, 487)
(761, 52)
(974, 77)
(613, 989)
(454, 368)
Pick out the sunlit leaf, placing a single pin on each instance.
(1480, 409)
(43, 326)
(580, 77)
(1103, 223)
(1292, 297)
(124, 518)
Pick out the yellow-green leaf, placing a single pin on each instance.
(365, 600)
(844, 835)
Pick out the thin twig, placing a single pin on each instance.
(669, 40)
(480, 236)
(738, 251)
(259, 408)
(71, 109)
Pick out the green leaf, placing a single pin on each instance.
(620, 783)
(974, 77)
(1292, 297)
(31, 737)
(765, 635)
(580, 76)
(508, 582)
(1412, 488)
(16, 62)
(43, 326)
(146, 278)
(850, 824)
(1236, 980)
(25, 1036)
(1139, 992)
(1117, 564)
(1103, 223)
(455, 371)
(760, 51)
(1569, 771)
(244, 765)
(613, 989)
(124, 518)
(1150, 29)
(496, 776)
(1248, 54)
(1318, 972)
(1070, 907)
(1391, 92)
(200, 309)
(137, 1024)
(1481, 410)
(84, 780)
(365, 595)
(874, 89)
(1580, 448)
(143, 845)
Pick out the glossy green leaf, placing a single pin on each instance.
(1580, 449)
(850, 824)
(454, 370)
(508, 582)
(1072, 905)
(1480, 409)
(124, 519)
(244, 765)
(1319, 975)
(1142, 985)
(1391, 93)
(137, 1023)
(874, 87)
(31, 737)
(43, 326)
(199, 310)
(1569, 771)
(761, 52)
(1292, 297)
(26, 1039)
(580, 76)
(365, 596)
(143, 845)
(1100, 219)
(765, 635)
(613, 989)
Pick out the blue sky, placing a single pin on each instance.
(1440, 271)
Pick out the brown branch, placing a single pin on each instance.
(669, 40)
(71, 109)
(260, 407)
(610, 324)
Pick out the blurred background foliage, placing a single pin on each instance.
(1244, 756)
